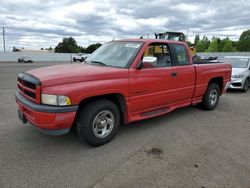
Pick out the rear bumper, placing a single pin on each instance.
(51, 120)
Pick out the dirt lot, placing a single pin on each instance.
(187, 148)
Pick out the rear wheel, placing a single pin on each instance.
(246, 85)
(98, 122)
(211, 97)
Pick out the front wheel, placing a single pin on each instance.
(246, 85)
(98, 122)
(211, 97)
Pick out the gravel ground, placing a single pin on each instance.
(186, 148)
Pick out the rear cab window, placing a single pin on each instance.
(179, 54)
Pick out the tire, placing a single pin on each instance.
(211, 97)
(98, 122)
(246, 85)
(74, 59)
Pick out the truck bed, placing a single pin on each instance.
(205, 72)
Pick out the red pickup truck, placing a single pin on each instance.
(121, 82)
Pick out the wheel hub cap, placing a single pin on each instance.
(213, 97)
(103, 123)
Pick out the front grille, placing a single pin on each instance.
(237, 84)
(29, 87)
(30, 94)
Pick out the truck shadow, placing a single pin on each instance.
(160, 120)
(238, 91)
(71, 142)
(132, 128)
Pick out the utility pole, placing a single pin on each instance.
(3, 39)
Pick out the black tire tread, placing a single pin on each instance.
(84, 121)
(205, 102)
(245, 90)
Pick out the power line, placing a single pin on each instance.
(3, 39)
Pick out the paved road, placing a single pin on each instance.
(186, 148)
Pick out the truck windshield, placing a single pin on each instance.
(115, 54)
(237, 62)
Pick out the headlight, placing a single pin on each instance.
(238, 76)
(57, 100)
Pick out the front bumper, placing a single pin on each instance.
(237, 83)
(53, 120)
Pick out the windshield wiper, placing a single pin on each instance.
(98, 62)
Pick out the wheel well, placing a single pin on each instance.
(117, 98)
(219, 81)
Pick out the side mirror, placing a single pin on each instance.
(147, 62)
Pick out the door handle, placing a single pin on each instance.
(173, 74)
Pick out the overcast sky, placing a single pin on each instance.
(43, 23)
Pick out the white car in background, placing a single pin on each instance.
(80, 57)
(25, 59)
(240, 78)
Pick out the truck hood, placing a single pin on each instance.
(70, 73)
(236, 71)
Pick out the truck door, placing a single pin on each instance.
(153, 87)
(184, 82)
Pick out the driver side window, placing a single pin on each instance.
(161, 52)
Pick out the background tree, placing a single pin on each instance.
(91, 48)
(200, 47)
(221, 44)
(213, 47)
(206, 42)
(68, 45)
(82, 49)
(228, 46)
(196, 39)
(189, 44)
(50, 48)
(243, 45)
